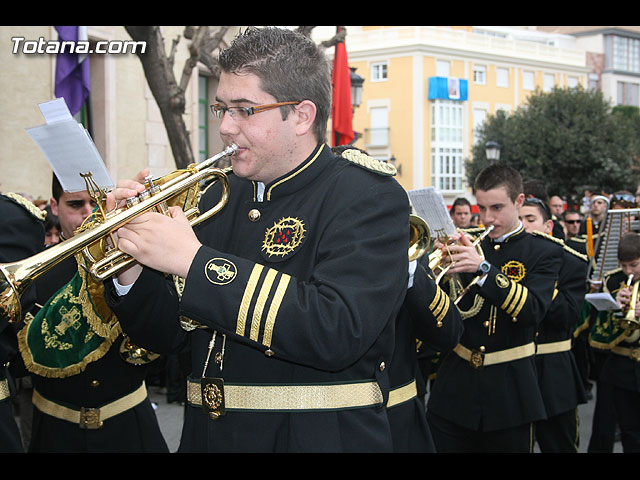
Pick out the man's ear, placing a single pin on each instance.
(306, 115)
(54, 206)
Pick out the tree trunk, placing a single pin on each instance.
(158, 70)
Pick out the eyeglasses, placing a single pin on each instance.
(572, 222)
(533, 202)
(242, 113)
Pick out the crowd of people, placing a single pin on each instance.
(302, 322)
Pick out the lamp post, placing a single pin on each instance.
(356, 88)
(492, 149)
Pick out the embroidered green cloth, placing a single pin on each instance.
(75, 327)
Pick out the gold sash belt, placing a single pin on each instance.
(90, 418)
(402, 394)
(553, 347)
(478, 359)
(4, 389)
(632, 353)
(293, 397)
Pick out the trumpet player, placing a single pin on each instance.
(486, 396)
(87, 397)
(560, 381)
(621, 369)
(293, 287)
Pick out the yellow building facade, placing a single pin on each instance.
(427, 89)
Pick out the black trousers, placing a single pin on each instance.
(559, 434)
(451, 438)
(627, 405)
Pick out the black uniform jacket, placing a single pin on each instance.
(560, 381)
(619, 370)
(302, 288)
(101, 382)
(501, 314)
(21, 236)
(428, 319)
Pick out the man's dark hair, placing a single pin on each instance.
(542, 207)
(290, 66)
(56, 188)
(459, 201)
(629, 247)
(500, 175)
(536, 188)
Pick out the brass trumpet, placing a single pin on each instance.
(95, 238)
(419, 237)
(629, 320)
(441, 271)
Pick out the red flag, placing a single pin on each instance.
(341, 110)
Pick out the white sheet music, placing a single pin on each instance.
(602, 301)
(69, 148)
(430, 205)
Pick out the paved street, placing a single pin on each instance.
(170, 416)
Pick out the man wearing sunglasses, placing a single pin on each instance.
(294, 285)
(572, 220)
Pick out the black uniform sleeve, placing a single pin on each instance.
(569, 294)
(330, 320)
(436, 320)
(529, 300)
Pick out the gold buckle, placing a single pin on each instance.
(212, 397)
(477, 359)
(90, 418)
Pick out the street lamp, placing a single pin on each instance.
(492, 150)
(356, 88)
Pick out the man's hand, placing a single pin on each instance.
(463, 254)
(164, 243)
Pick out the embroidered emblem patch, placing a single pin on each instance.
(514, 270)
(220, 271)
(502, 281)
(282, 239)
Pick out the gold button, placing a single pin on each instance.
(485, 323)
(269, 353)
(496, 247)
(514, 319)
(95, 383)
(254, 215)
(382, 366)
(482, 349)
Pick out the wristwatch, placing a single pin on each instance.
(483, 268)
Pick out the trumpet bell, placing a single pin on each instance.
(419, 237)
(9, 295)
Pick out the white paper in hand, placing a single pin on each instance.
(69, 148)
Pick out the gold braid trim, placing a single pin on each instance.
(560, 242)
(29, 206)
(92, 295)
(369, 163)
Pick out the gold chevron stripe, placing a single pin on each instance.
(246, 298)
(274, 308)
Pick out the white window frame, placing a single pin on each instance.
(447, 146)
(480, 74)
(528, 80)
(380, 71)
(502, 77)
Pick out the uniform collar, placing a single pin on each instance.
(297, 178)
(508, 236)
